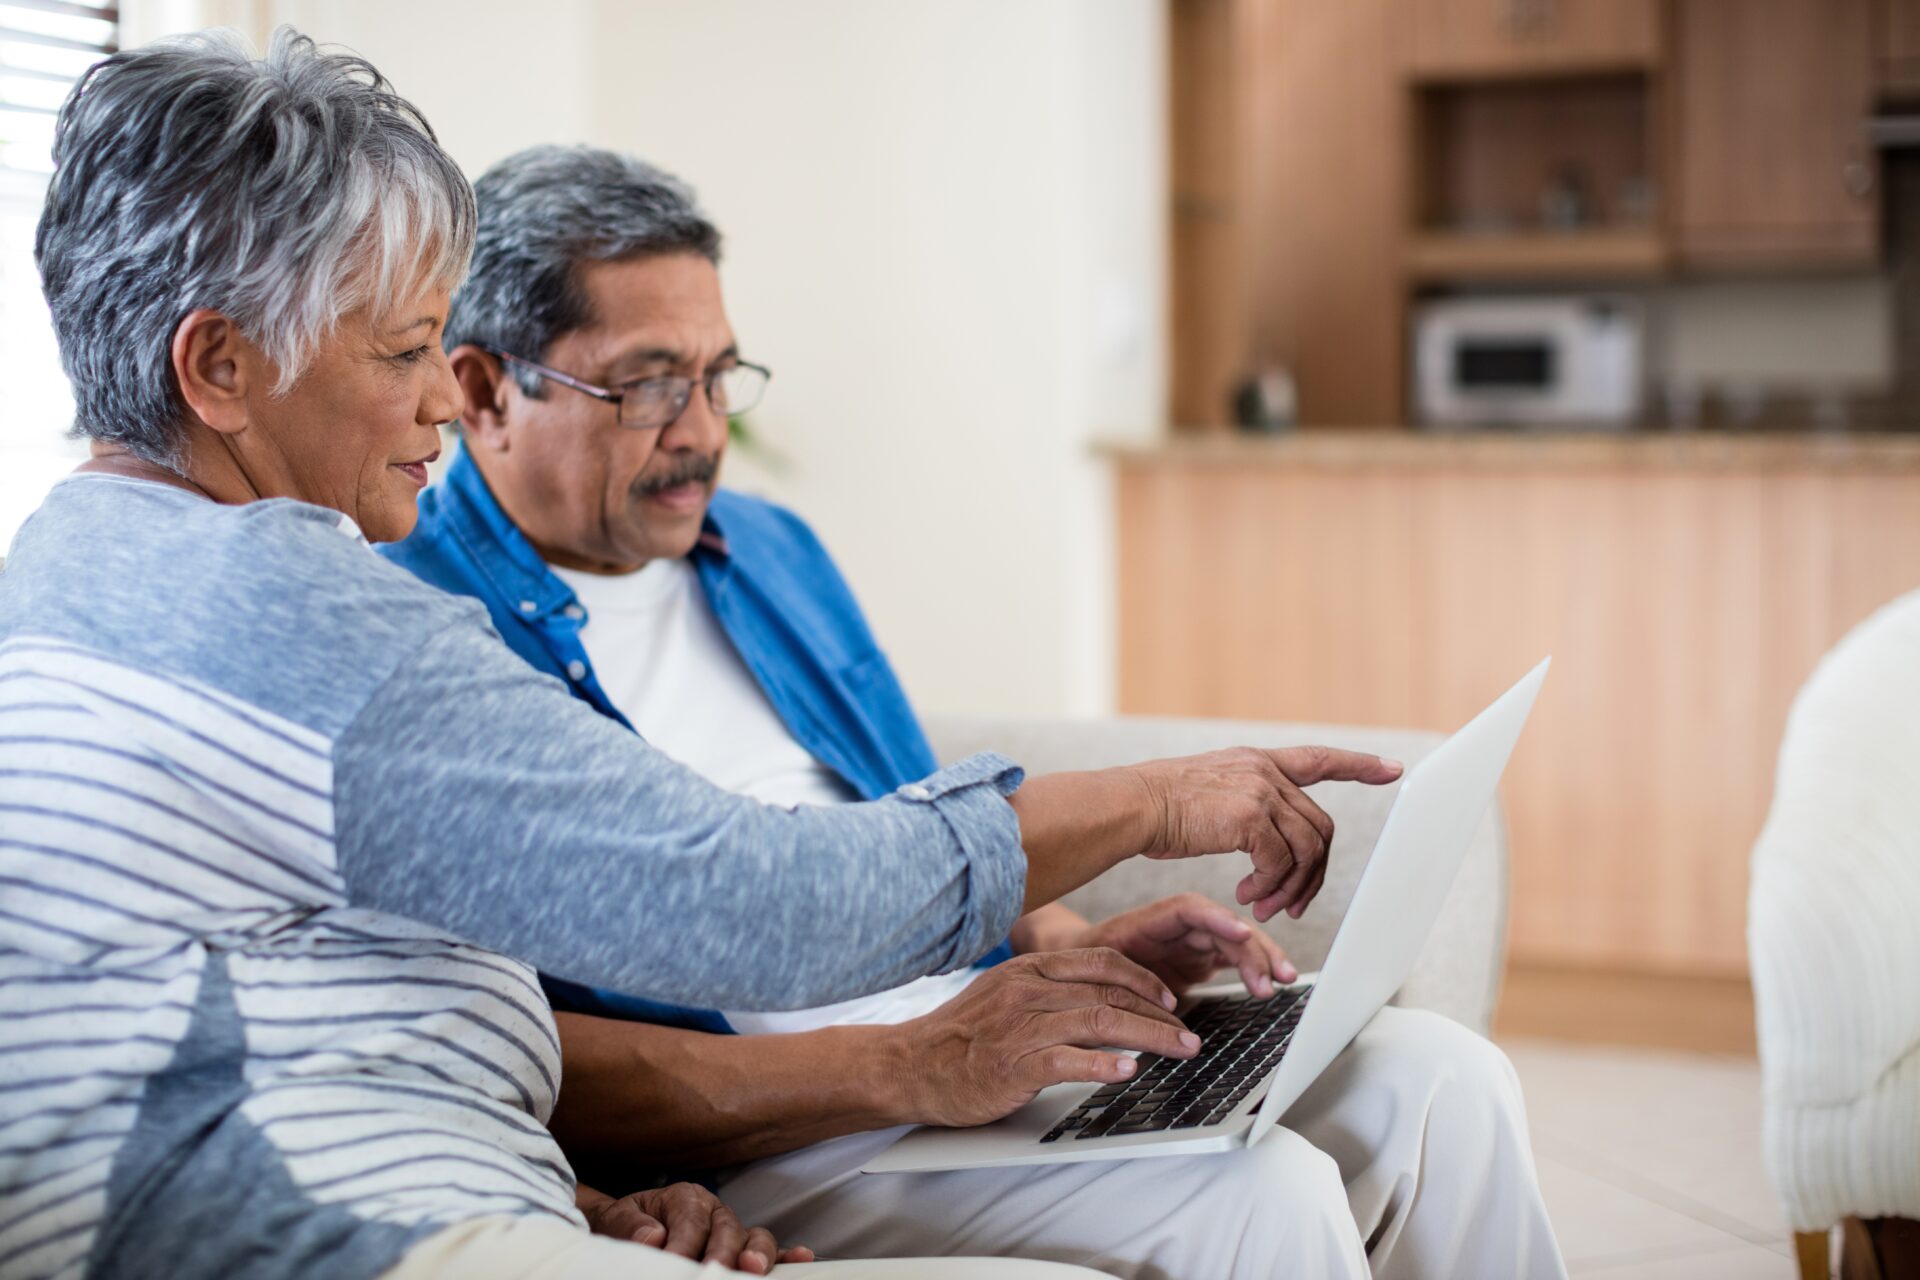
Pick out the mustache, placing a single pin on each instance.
(696, 468)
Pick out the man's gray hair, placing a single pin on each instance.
(545, 211)
(283, 192)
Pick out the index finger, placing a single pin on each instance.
(1103, 964)
(1264, 963)
(1305, 766)
(1203, 913)
(1088, 994)
(628, 1221)
(1260, 962)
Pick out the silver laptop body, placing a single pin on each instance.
(1441, 803)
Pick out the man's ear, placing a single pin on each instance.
(216, 367)
(484, 384)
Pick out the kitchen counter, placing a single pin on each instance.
(1401, 449)
(1685, 585)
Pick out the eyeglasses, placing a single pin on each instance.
(651, 404)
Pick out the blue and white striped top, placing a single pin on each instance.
(274, 815)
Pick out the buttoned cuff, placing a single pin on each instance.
(989, 766)
(971, 797)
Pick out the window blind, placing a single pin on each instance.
(45, 45)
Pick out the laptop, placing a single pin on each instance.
(1258, 1056)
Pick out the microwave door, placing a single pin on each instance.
(1505, 378)
(1485, 370)
(1505, 366)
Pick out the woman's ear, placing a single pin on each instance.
(215, 365)
(484, 384)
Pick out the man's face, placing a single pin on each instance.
(588, 492)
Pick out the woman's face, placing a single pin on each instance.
(357, 431)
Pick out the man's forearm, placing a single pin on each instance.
(690, 1100)
(1054, 927)
(1076, 826)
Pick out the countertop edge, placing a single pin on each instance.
(1403, 449)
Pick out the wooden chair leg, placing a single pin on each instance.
(1810, 1248)
(1880, 1249)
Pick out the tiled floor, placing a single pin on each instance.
(1650, 1161)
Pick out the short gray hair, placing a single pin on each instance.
(283, 192)
(543, 212)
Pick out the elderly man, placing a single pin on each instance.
(600, 370)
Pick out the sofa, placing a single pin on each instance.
(1458, 972)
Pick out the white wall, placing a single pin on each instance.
(1806, 330)
(945, 234)
(492, 76)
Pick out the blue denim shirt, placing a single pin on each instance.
(775, 592)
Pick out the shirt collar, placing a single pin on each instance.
(508, 560)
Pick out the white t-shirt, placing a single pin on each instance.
(662, 658)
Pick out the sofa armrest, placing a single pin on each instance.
(1458, 972)
(1831, 937)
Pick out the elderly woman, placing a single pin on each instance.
(276, 814)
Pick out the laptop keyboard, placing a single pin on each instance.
(1241, 1041)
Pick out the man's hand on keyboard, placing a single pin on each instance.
(1184, 940)
(1034, 1021)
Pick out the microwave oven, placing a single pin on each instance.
(1573, 361)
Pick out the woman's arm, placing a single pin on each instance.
(475, 795)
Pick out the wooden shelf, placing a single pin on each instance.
(1570, 67)
(1567, 255)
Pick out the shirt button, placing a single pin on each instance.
(577, 669)
(528, 606)
(914, 791)
(574, 611)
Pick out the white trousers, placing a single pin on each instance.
(1409, 1157)
(528, 1248)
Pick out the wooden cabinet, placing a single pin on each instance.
(1288, 205)
(1772, 163)
(1897, 43)
(1333, 158)
(1207, 314)
(1327, 208)
(1451, 38)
